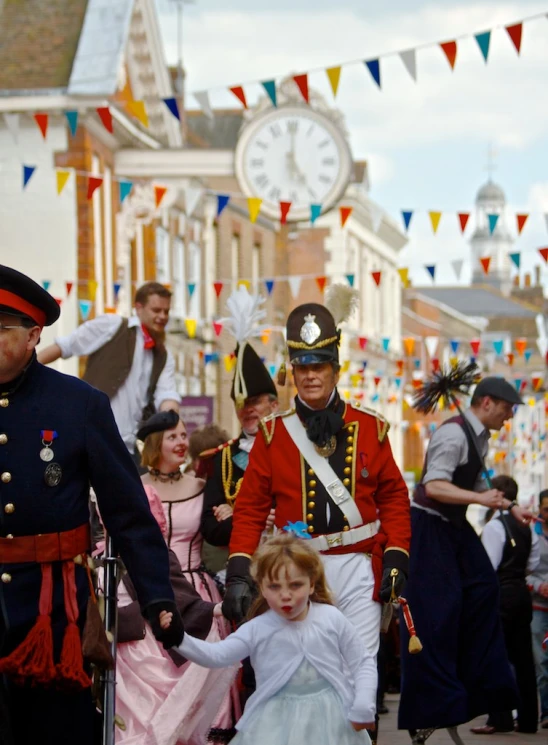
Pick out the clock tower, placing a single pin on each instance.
(496, 244)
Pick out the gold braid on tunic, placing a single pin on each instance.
(227, 472)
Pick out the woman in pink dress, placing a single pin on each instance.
(160, 703)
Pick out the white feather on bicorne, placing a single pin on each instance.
(245, 315)
(341, 301)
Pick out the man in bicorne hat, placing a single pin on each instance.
(57, 437)
(329, 468)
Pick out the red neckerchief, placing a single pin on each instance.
(149, 341)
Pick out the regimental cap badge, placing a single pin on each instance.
(310, 331)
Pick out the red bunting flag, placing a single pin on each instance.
(544, 253)
(463, 220)
(218, 286)
(475, 345)
(302, 85)
(94, 182)
(217, 327)
(106, 117)
(536, 381)
(417, 383)
(450, 51)
(514, 32)
(485, 261)
(42, 122)
(345, 213)
(320, 281)
(159, 194)
(58, 300)
(376, 277)
(362, 341)
(377, 380)
(240, 95)
(435, 364)
(521, 220)
(510, 358)
(284, 209)
(399, 365)
(68, 286)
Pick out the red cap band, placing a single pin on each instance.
(17, 303)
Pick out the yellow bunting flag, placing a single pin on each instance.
(62, 178)
(345, 366)
(92, 289)
(404, 276)
(246, 283)
(334, 75)
(355, 380)
(254, 207)
(346, 395)
(190, 324)
(230, 361)
(435, 218)
(110, 309)
(138, 110)
(409, 345)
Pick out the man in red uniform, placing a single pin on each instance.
(329, 468)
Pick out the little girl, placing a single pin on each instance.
(316, 681)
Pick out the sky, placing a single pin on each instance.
(426, 142)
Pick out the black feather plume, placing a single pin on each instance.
(446, 383)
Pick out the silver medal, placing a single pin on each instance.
(364, 473)
(53, 474)
(46, 454)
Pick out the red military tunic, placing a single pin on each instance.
(277, 473)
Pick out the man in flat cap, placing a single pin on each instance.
(328, 467)
(57, 437)
(463, 669)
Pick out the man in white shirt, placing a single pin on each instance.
(127, 359)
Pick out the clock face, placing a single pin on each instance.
(296, 155)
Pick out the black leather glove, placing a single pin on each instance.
(239, 593)
(172, 636)
(394, 574)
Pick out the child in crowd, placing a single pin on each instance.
(315, 679)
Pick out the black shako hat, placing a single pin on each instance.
(22, 295)
(253, 377)
(496, 387)
(159, 423)
(312, 335)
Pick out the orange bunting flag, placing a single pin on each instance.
(399, 365)
(521, 220)
(159, 194)
(463, 220)
(106, 117)
(417, 383)
(94, 182)
(284, 209)
(42, 122)
(544, 253)
(302, 85)
(320, 281)
(514, 32)
(450, 51)
(485, 262)
(62, 178)
(254, 207)
(409, 345)
(404, 276)
(435, 218)
(520, 345)
(377, 277)
(345, 213)
(536, 381)
(510, 358)
(238, 91)
(265, 336)
(334, 75)
(138, 110)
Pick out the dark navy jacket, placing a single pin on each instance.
(90, 452)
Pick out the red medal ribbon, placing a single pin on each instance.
(48, 434)
(149, 341)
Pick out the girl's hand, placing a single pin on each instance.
(270, 520)
(222, 512)
(363, 725)
(218, 611)
(165, 619)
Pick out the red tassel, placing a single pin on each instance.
(70, 670)
(33, 658)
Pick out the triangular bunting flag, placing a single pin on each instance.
(238, 91)
(454, 344)
(138, 110)
(527, 354)
(159, 194)
(294, 286)
(521, 220)
(350, 279)
(62, 178)
(483, 43)
(92, 288)
(377, 276)
(72, 121)
(222, 201)
(409, 59)
(510, 358)
(85, 307)
(106, 117)
(191, 287)
(431, 269)
(431, 343)
(435, 364)
(475, 345)
(218, 287)
(68, 287)
(376, 214)
(315, 212)
(320, 281)
(202, 97)
(376, 380)
(520, 345)
(457, 265)
(302, 85)
(485, 261)
(42, 122)
(190, 324)
(270, 88)
(254, 207)
(117, 288)
(345, 213)
(450, 50)
(27, 174)
(374, 67)
(516, 258)
(493, 220)
(12, 123)
(124, 188)
(284, 209)
(193, 195)
(94, 182)
(407, 215)
(544, 253)
(46, 284)
(435, 218)
(362, 341)
(409, 345)
(404, 275)
(173, 107)
(498, 346)
(463, 220)
(334, 76)
(269, 284)
(385, 341)
(514, 32)
(217, 327)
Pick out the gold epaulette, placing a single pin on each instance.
(268, 424)
(382, 425)
(205, 454)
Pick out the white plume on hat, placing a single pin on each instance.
(341, 301)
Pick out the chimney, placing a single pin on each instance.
(527, 280)
(537, 276)
(516, 281)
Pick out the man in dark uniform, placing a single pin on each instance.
(58, 437)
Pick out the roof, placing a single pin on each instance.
(38, 42)
(478, 301)
(220, 133)
(491, 192)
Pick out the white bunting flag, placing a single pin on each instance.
(376, 214)
(203, 102)
(457, 267)
(193, 195)
(409, 59)
(431, 343)
(294, 285)
(12, 123)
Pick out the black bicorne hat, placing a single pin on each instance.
(251, 377)
(312, 335)
(21, 295)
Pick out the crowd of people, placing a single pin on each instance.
(255, 570)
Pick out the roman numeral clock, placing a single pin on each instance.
(293, 154)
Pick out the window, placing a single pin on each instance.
(235, 259)
(195, 277)
(162, 256)
(179, 278)
(255, 267)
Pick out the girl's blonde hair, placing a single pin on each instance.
(275, 554)
(152, 448)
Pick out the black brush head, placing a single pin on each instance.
(446, 383)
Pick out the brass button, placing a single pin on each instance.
(9, 509)
(351, 429)
(9, 535)
(6, 578)
(350, 450)
(310, 516)
(4, 402)
(350, 439)
(311, 472)
(346, 482)
(348, 459)
(347, 470)
(310, 528)
(346, 528)
(312, 483)
(6, 477)
(3, 439)
(311, 493)
(311, 505)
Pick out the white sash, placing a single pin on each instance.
(335, 488)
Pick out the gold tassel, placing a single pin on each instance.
(282, 373)
(415, 645)
(240, 401)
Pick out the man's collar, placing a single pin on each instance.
(133, 321)
(477, 426)
(331, 397)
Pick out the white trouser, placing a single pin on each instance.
(350, 577)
